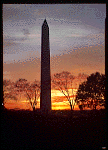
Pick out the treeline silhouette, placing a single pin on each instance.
(91, 92)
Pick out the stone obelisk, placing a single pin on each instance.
(45, 97)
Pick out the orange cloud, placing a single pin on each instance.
(82, 60)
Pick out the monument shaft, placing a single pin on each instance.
(45, 98)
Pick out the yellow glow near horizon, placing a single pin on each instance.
(58, 102)
(56, 95)
(59, 93)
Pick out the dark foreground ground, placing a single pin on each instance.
(57, 130)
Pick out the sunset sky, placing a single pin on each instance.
(77, 39)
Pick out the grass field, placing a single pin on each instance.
(55, 130)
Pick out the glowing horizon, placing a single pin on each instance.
(59, 102)
(23, 103)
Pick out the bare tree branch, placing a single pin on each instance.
(31, 91)
(62, 81)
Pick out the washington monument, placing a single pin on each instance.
(45, 97)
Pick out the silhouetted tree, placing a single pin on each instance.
(8, 91)
(63, 81)
(92, 92)
(33, 93)
(30, 91)
(21, 86)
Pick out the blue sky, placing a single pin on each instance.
(71, 27)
